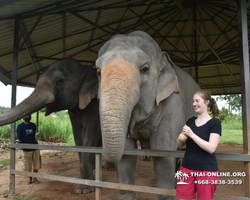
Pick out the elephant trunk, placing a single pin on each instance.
(39, 98)
(119, 93)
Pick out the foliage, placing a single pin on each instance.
(233, 101)
(3, 109)
(5, 130)
(223, 114)
(25, 198)
(232, 133)
(5, 162)
(237, 119)
(53, 128)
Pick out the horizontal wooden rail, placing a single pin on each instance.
(135, 188)
(102, 184)
(156, 153)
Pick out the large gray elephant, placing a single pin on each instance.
(143, 96)
(68, 85)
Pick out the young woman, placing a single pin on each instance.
(201, 135)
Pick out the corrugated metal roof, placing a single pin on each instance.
(78, 29)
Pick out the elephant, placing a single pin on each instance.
(68, 85)
(143, 96)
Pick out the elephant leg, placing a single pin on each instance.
(164, 167)
(164, 175)
(86, 172)
(126, 172)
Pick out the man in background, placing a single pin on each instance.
(26, 133)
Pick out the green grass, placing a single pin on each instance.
(55, 129)
(58, 129)
(5, 130)
(232, 134)
(51, 129)
(25, 198)
(5, 162)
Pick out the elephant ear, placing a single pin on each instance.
(88, 90)
(168, 81)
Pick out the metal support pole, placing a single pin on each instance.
(37, 113)
(195, 47)
(245, 85)
(98, 175)
(64, 33)
(13, 104)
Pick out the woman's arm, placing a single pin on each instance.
(209, 146)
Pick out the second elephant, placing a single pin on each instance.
(68, 85)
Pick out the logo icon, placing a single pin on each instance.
(181, 176)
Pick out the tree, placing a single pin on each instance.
(223, 114)
(3, 109)
(233, 101)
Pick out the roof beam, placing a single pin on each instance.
(218, 76)
(223, 47)
(222, 86)
(179, 33)
(204, 39)
(158, 32)
(93, 32)
(60, 53)
(7, 2)
(30, 32)
(139, 18)
(57, 59)
(31, 51)
(77, 7)
(231, 2)
(162, 14)
(64, 32)
(81, 32)
(175, 12)
(55, 7)
(88, 21)
(248, 3)
(222, 31)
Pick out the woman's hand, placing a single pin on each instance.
(181, 140)
(182, 137)
(188, 131)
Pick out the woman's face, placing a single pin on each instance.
(199, 104)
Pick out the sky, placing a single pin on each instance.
(24, 92)
(5, 94)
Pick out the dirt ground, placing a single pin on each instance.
(66, 164)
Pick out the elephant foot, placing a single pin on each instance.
(84, 189)
(110, 166)
(126, 195)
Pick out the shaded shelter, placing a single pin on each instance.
(206, 38)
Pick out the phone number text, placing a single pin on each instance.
(219, 182)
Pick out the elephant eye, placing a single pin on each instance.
(60, 82)
(145, 69)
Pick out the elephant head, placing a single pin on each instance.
(66, 84)
(135, 76)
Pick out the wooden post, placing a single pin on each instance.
(245, 85)
(13, 104)
(98, 175)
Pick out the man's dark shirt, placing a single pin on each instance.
(195, 157)
(26, 134)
